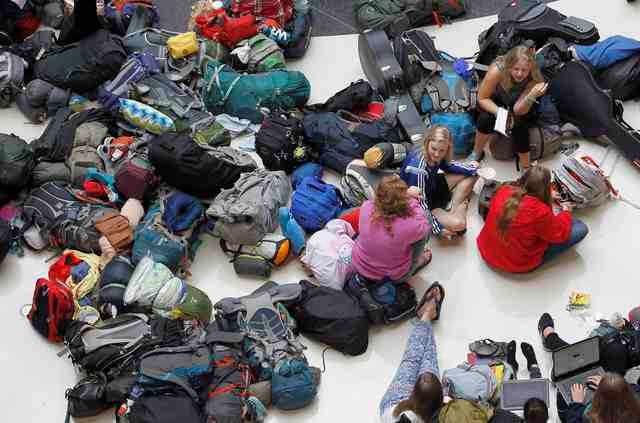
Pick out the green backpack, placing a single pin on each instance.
(459, 410)
(264, 55)
(243, 96)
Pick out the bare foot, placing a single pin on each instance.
(424, 259)
(429, 310)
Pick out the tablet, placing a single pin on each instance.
(515, 393)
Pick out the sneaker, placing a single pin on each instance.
(532, 361)
(475, 157)
(292, 230)
(545, 321)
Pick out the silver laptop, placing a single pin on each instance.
(574, 364)
(515, 393)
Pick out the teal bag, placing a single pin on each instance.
(241, 95)
(462, 128)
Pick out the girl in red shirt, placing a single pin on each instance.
(521, 231)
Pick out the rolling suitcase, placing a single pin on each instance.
(582, 102)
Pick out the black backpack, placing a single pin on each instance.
(413, 46)
(184, 164)
(356, 96)
(332, 317)
(83, 66)
(60, 218)
(279, 142)
(622, 78)
(6, 236)
(16, 162)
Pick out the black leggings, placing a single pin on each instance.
(520, 131)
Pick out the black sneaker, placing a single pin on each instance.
(511, 357)
(545, 321)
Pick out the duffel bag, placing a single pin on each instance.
(184, 164)
(83, 66)
(16, 162)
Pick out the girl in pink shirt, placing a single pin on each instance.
(393, 233)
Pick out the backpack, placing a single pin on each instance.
(274, 248)
(473, 383)
(300, 28)
(582, 181)
(135, 177)
(278, 10)
(56, 216)
(248, 211)
(242, 95)
(410, 48)
(45, 172)
(152, 239)
(16, 162)
(165, 404)
(314, 203)
(359, 183)
(622, 78)
(279, 142)
(462, 127)
(332, 317)
(446, 91)
(52, 309)
(403, 306)
(12, 70)
(263, 54)
(83, 66)
(59, 137)
(82, 159)
(113, 345)
(273, 351)
(460, 410)
(354, 97)
(184, 164)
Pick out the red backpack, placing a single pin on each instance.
(52, 309)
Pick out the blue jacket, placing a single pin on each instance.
(416, 172)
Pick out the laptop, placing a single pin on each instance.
(574, 364)
(515, 393)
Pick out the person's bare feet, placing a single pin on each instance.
(424, 259)
(429, 310)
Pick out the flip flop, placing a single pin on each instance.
(423, 265)
(426, 296)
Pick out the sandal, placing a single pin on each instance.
(425, 262)
(426, 298)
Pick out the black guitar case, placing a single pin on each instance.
(379, 63)
(581, 101)
(386, 76)
(524, 20)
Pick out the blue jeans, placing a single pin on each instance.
(420, 356)
(578, 231)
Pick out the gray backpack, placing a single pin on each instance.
(582, 181)
(473, 383)
(247, 212)
(11, 77)
(81, 159)
(359, 182)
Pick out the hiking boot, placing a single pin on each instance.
(475, 157)
(545, 321)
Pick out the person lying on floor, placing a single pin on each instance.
(393, 232)
(613, 401)
(438, 181)
(514, 83)
(521, 231)
(415, 393)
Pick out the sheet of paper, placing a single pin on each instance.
(501, 121)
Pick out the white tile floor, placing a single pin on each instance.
(480, 303)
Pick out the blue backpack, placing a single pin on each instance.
(462, 128)
(314, 203)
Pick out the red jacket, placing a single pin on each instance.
(528, 235)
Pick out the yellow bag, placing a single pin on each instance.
(183, 45)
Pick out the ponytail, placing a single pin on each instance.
(509, 210)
